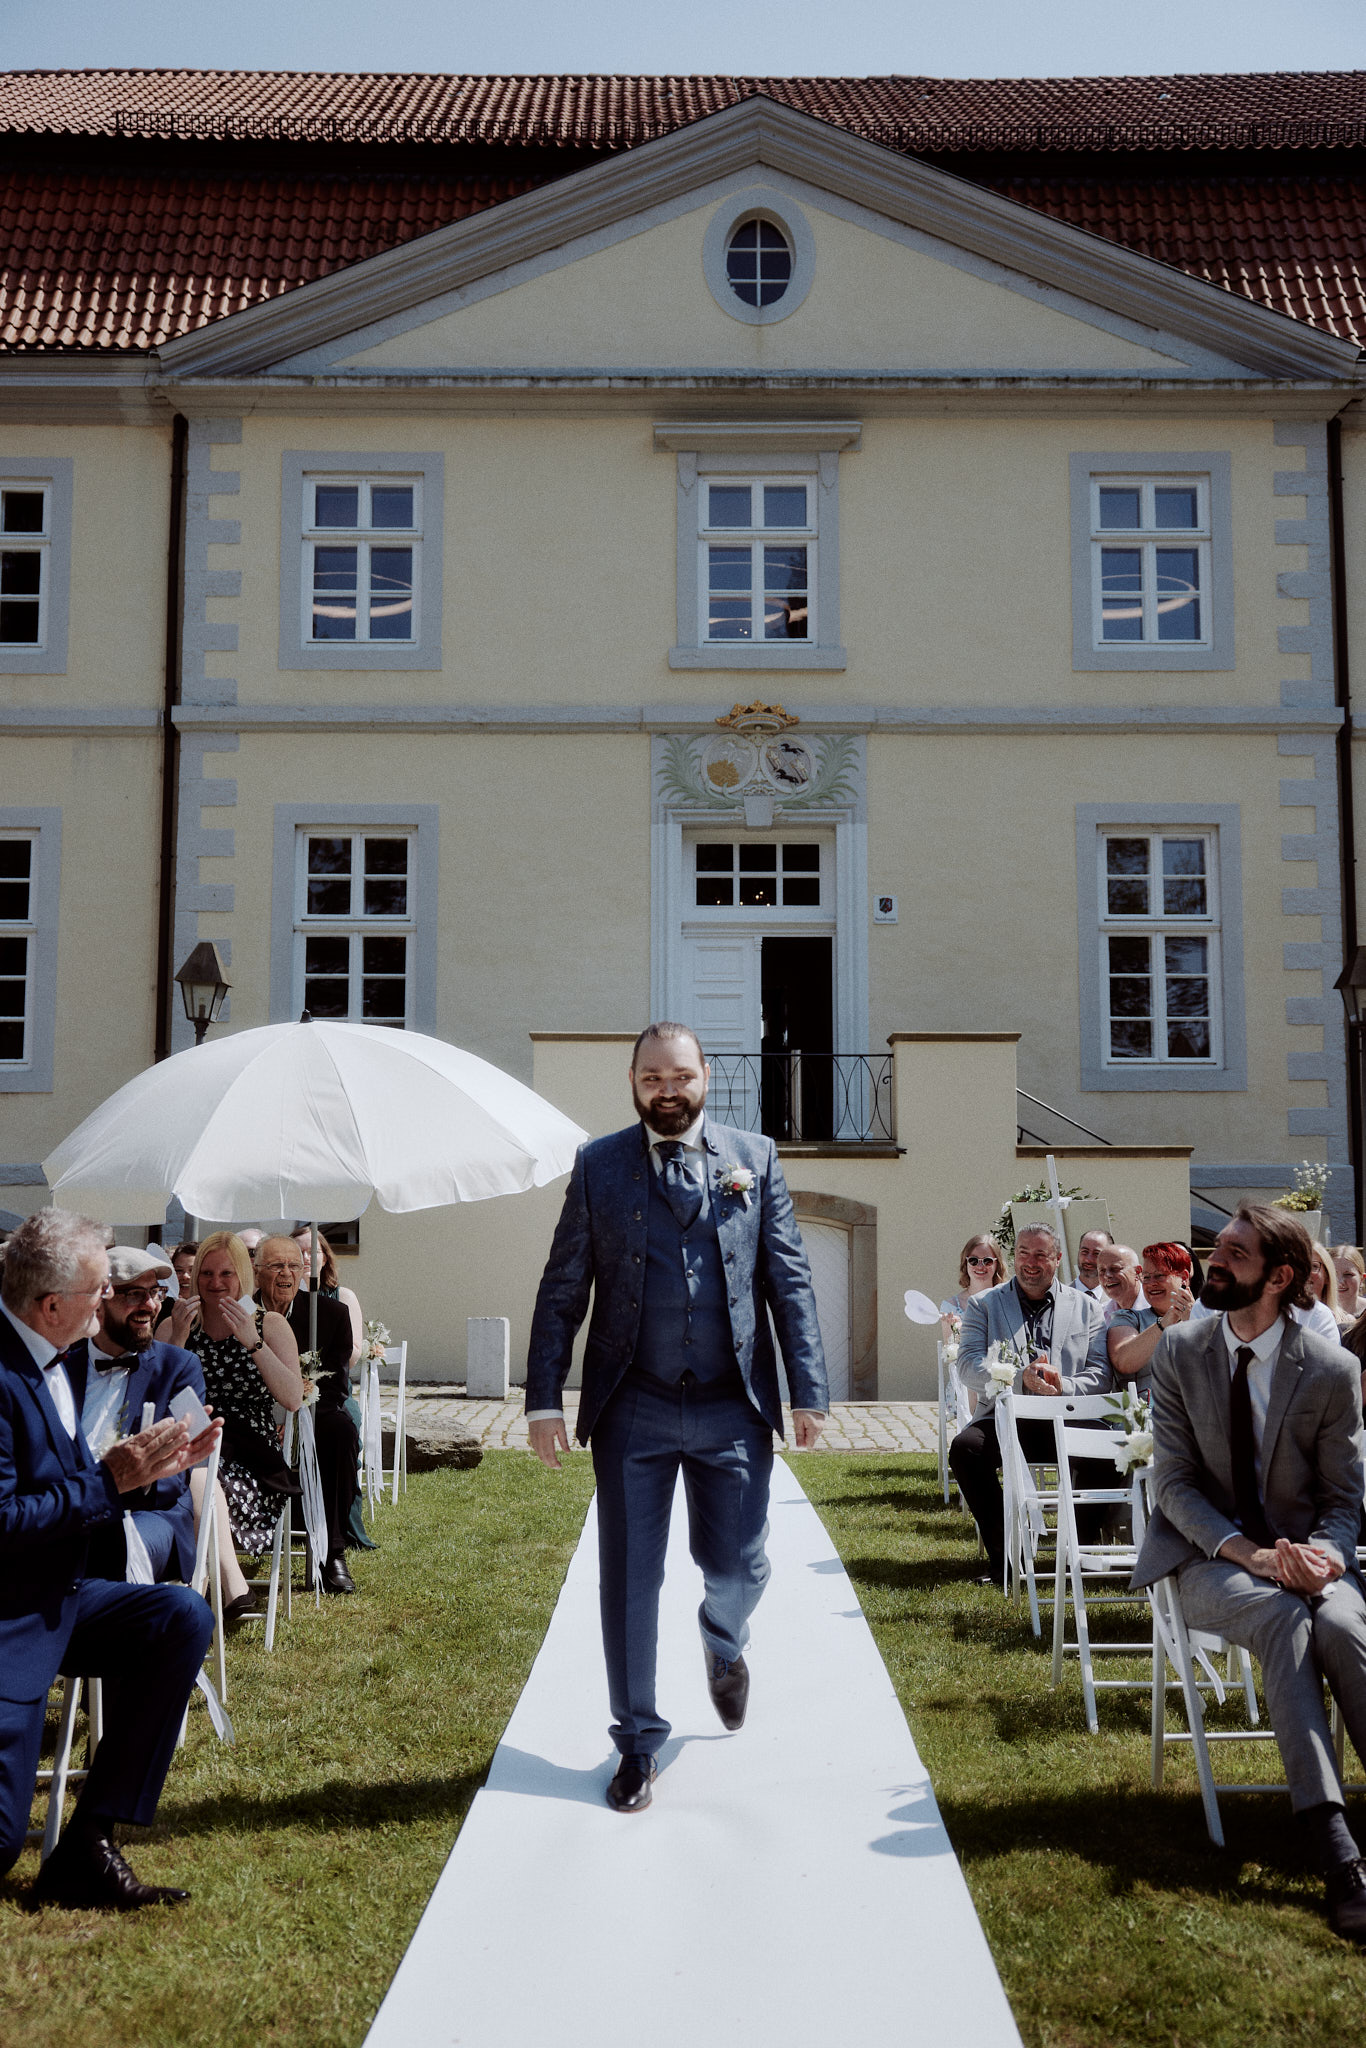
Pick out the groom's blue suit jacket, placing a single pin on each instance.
(600, 1247)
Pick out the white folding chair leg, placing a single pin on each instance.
(400, 1428)
(273, 1596)
(1179, 1653)
(61, 1774)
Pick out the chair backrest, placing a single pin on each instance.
(200, 1571)
(1019, 1478)
(1086, 1443)
(1064, 1407)
(396, 1354)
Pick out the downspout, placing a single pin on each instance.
(170, 738)
(1346, 806)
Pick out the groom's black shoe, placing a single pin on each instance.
(629, 1791)
(89, 1871)
(728, 1685)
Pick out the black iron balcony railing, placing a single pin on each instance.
(840, 1098)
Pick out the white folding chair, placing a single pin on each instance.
(396, 1354)
(1102, 1563)
(60, 1777)
(1026, 1504)
(206, 1575)
(371, 1470)
(286, 1545)
(1184, 1648)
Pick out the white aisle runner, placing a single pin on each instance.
(791, 1885)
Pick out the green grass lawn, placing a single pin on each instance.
(1112, 1918)
(312, 1847)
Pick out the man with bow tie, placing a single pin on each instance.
(123, 1373)
(683, 1230)
(146, 1642)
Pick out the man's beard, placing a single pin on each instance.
(126, 1338)
(670, 1123)
(1221, 1293)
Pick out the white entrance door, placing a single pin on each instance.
(723, 984)
(827, 1247)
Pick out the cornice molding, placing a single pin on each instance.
(33, 721)
(945, 720)
(766, 437)
(759, 131)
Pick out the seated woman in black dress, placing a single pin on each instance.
(250, 1361)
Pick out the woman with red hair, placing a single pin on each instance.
(1135, 1333)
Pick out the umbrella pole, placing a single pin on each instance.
(313, 1292)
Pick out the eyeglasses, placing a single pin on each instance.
(981, 1262)
(151, 1294)
(100, 1293)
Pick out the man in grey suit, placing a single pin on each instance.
(1036, 1317)
(684, 1231)
(1259, 1480)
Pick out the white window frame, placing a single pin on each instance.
(757, 453)
(780, 915)
(42, 829)
(356, 926)
(1156, 927)
(364, 538)
(301, 471)
(1145, 539)
(1219, 825)
(1212, 473)
(756, 538)
(53, 478)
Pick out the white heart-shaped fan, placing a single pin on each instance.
(919, 1307)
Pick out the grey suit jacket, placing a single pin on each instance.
(995, 1317)
(1312, 1475)
(600, 1247)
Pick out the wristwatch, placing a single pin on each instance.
(252, 1349)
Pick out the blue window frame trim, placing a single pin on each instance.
(1139, 655)
(35, 1076)
(295, 652)
(1224, 820)
(57, 472)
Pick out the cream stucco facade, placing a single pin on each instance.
(559, 382)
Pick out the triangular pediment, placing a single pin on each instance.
(903, 269)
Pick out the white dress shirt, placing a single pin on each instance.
(47, 1358)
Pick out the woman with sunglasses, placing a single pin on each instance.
(981, 1264)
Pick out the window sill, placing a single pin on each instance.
(342, 656)
(833, 1149)
(1161, 1081)
(783, 655)
(1152, 660)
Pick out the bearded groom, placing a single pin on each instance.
(683, 1230)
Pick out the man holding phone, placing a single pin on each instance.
(124, 1381)
(146, 1642)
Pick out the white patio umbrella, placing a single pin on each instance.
(311, 1119)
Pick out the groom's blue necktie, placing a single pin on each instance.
(682, 1193)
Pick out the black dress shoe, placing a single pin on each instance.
(629, 1791)
(241, 1607)
(1347, 1900)
(91, 1872)
(728, 1685)
(336, 1578)
(989, 1579)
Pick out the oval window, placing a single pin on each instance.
(758, 263)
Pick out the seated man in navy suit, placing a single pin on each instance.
(146, 1642)
(125, 1372)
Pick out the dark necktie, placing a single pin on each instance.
(681, 1191)
(1243, 1446)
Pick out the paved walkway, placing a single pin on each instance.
(853, 1425)
(791, 1886)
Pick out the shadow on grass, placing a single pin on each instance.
(1139, 1838)
(338, 1803)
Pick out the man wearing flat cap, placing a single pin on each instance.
(117, 1376)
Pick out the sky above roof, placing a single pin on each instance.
(982, 38)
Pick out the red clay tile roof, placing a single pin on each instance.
(1302, 109)
(119, 257)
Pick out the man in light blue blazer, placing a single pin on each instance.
(1035, 1315)
(684, 1232)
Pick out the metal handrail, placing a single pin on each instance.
(839, 1098)
(1062, 1116)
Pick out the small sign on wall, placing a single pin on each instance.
(884, 910)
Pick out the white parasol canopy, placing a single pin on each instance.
(311, 1119)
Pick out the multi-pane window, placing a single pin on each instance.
(1159, 946)
(758, 263)
(354, 925)
(361, 558)
(757, 566)
(18, 932)
(25, 565)
(1150, 560)
(750, 876)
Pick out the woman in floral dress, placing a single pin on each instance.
(250, 1361)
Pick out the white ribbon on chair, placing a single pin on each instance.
(315, 1514)
(218, 1713)
(374, 1437)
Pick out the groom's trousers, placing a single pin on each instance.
(647, 1434)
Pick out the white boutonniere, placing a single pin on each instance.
(735, 1180)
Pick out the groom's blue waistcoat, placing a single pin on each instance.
(684, 1318)
(601, 1249)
